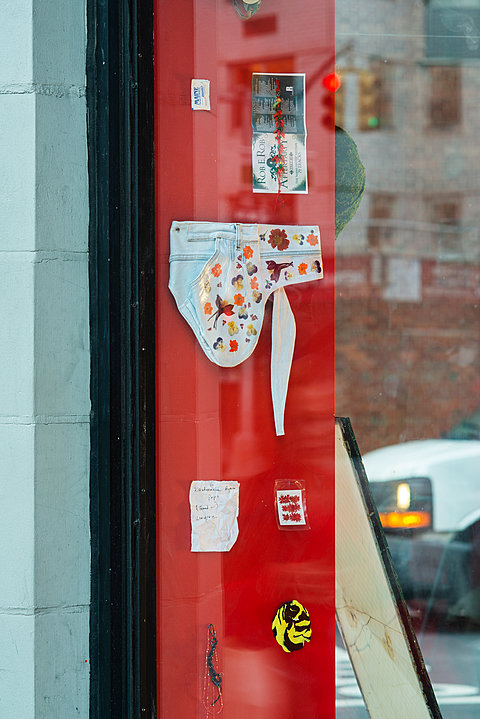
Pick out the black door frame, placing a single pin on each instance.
(122, 319)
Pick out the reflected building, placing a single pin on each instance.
(407, 266)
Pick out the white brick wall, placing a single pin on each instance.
(44, 362)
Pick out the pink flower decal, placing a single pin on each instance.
(247, 252)
(302, 269)
(233, 345)
(207, 308)
(278, 239)
(217, 270)
(254, 283)
(312, 239)
(239, 300)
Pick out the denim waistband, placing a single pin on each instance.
(192, 240)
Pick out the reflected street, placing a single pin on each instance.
(407, 319)
(453, 661)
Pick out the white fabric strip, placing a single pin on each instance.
(283, 342)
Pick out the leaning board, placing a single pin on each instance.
(371, 612)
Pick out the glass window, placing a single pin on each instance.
(408, 319)
(445, 96)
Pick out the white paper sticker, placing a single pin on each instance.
(200, 94)
(213, 514)
(290, 507)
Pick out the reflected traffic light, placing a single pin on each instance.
(332, 100)
(368, 101)
(332, 82)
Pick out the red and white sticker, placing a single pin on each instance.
(290, 508)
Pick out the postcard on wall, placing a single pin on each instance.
(213, 514)
(279, 152)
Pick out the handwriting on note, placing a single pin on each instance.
(213, 514)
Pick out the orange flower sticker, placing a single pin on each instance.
(239, 299)
(303, 268)
(207, 308)
(312, 239)
(217, 270)
(247, 252)
(233, 345)
(254, 283)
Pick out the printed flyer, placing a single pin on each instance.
(279, 154)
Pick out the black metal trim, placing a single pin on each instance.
(122, 247)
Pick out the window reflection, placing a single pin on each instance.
(452, 28)
(445, 109)
(407, 313)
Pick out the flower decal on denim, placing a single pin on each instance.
(276, 267)
(219, 345)
(257, 296)
(302, 268)
(217, 270)
(207, 308)
(232, 328)
(278, 239)
(233, 346)
(312, 239)
(298, 239)
(242, 313)
(237, 282)
(224, 307)
(251, 268)
(247, 252)
(254, 283)
(207, 286)
(251, 330)
(239, 300)
(316, 266)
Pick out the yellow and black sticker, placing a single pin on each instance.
(291, 626)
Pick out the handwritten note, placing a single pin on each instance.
(213, 514)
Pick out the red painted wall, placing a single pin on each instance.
(217, 423)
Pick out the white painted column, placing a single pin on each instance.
(44, 362)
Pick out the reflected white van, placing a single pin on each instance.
(425, 485)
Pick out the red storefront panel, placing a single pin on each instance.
(216, 423)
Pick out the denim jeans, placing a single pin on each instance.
(221, 275)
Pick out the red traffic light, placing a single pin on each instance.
(331, 82)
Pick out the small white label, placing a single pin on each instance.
(290, 508)
(200, 94)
